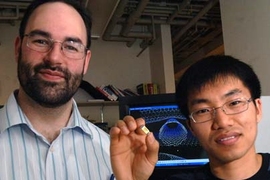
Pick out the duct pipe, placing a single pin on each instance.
(160, 21)
(13, 4)
(179, 65)
(180, 8)
(117, 14)
(194, 20)
(148, 42)
(134, 17)
(15, 17)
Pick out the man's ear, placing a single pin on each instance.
(17, 45)
(258, 106)
(87, 60)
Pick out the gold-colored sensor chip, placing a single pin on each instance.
(145, 129)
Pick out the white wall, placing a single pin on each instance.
(109, 114)
(8, 74)
(246, 34)
(115, 63)
(111, 63)
(262, 141)
(161, 60)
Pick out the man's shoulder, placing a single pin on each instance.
(202, 173)
(266, 158)
(265, 155)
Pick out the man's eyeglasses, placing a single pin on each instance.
(71, 49)
(235, 106)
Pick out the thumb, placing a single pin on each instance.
(114, 134)
(152, 148)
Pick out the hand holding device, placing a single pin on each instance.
(134, 150)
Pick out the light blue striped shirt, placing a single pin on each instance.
(80, 152)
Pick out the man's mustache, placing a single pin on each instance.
(43, 66)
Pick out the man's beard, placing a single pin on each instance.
(46, 93)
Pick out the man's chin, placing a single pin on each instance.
(52, 102)
(50, 96)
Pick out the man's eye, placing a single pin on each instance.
(41, 42)
(202, 111)
(236, 103)
(71, 48)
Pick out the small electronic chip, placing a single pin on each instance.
(145, 129)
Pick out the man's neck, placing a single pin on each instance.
(47, 121)
(242, 168)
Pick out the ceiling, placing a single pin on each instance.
(196, 29)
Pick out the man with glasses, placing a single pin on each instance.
(220, 96)
(42, 133)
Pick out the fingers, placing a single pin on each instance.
(152, 148)
(114, 132)
(145, 129)
(127, 125)
(130, 127)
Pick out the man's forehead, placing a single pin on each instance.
(222, 82)
(59, 19)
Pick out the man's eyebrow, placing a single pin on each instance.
(198, 101)
(228, 94)
(233, 92)
(48, 35)
(73, 39)
(39, 32)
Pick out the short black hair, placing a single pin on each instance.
(85, 14)
(210, 69)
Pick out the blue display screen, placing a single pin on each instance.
(178, 146)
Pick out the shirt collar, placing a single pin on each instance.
(11, 115)
(77, 121)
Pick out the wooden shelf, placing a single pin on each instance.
(97, 103)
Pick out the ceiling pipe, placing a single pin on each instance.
(132, 36)
(204, 40)
(189, 46)
(148, 42)
(14, 4)
(130, 43)
(113, 21)
(140, 35)
(188, 39)
(179, 65)
(194, 20)
(201, 41)
(119, 39)
(180, 8)
(135, 15)
(15, 17)
(159, 21)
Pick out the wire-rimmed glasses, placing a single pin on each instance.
(232, 107)
(70, 48)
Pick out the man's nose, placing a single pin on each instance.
(55, 54)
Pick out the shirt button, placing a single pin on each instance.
(51, 149)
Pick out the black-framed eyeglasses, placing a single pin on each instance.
(232, 107)
(71, 49)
